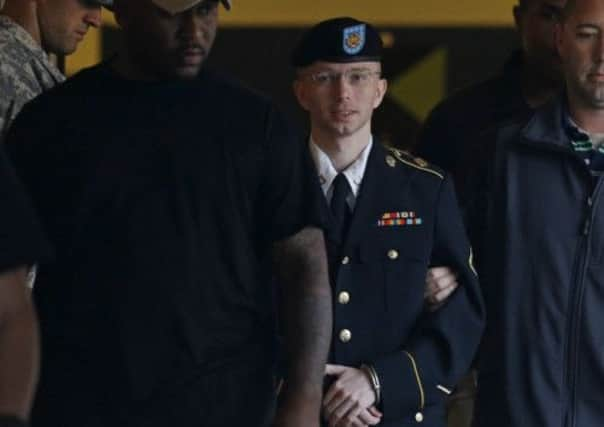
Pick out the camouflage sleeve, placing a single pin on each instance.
(25, 72)
(10, 102)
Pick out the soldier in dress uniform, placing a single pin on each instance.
(392, 361)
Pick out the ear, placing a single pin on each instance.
(380, 92)
(300, 92)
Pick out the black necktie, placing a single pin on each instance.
(339, 207)
(340, 218)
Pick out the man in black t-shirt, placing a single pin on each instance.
(21, 245)
(173, 196)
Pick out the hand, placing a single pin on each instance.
(368, 417)
(440, 284)
(348, 397)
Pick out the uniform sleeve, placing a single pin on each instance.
(291, 192)
(22, 241)
(443, 345)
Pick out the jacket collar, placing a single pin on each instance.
(383, 186)
(546, 126)
(354, 173)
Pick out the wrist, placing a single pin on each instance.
(374, 380)
(12, 421)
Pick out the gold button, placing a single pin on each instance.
(345, 260)
(344, 297)
(419, 417)
(393, 254)
(345, 335)
(390, 161)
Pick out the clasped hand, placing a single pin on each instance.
(350, 398)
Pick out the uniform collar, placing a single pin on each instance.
(327, 173)
(27, 41)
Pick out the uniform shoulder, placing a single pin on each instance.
(407, 159)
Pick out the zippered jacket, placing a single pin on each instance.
(542, 269)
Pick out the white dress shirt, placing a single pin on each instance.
(327, 172)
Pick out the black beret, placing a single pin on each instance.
(338, 40)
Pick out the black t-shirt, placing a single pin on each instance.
(21, 238)
(163, 201)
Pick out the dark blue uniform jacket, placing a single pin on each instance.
(380, 317)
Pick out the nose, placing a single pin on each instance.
(342, 87)
(191, 26)
(93, 16)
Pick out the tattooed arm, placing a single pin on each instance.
(301, 267)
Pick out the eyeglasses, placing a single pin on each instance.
(352, 77)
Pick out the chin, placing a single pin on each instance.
(347, 130)
(66, 48)
(186, 73)
(69, 50)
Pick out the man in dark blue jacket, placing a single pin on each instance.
(542, 363)
(392, 361)
(453, 135)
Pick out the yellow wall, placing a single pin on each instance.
(387, 12)
(284, 13)
(418, 13)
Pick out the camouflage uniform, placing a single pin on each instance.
(25, 71)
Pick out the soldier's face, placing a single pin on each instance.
(535, 22)
(162, 45)
(340, 98)
(580, 40)
(64, 23)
